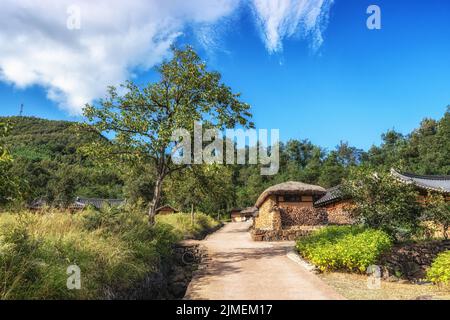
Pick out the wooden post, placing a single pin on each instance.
(192, 214)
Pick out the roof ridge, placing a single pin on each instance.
(423, 176)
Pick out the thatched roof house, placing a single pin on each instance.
(287, 203)
(291, 191)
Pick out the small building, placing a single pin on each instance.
(37, 205)
(82, 203)
(288, 205)
(246, 214)
(166, 209)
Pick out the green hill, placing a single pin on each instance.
(48, 165)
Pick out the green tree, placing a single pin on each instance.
(382, 202)
(207, 188)
(437, 210)
(8, 184)
(144, 119)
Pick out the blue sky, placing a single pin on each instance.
(355, 85)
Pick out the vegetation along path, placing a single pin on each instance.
(239, 268)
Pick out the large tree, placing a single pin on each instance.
(143, 119)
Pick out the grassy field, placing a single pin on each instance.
(113, 249)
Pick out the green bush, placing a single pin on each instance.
(439, 272)
(114, 249)
(349, 248)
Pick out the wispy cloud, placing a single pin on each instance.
(281, 19)
(118, 38)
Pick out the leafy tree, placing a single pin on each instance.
(208, 188)
(8, 184)
(144, 119)
(437, 210)
(382, 202)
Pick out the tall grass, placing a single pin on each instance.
(114, 249)
(185, 227)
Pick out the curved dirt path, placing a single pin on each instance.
(238, 268)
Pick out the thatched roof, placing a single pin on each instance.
(290, 187)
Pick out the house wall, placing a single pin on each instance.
(268, 218)
(339, 212)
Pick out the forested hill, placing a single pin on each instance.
(39, 139)
(47, 163)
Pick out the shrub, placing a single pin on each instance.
(350, 248)
(439, 272)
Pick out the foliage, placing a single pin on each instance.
(47, 163)
(437, 210)
(115, 249)
(183, 225)
(211, 183)
(350, 248)
(381, 202)
(439, 272)
(9, 190)
(143, 120)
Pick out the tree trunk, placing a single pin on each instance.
(192, 214)
(155, 201)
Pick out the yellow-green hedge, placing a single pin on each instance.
(439, 272)
(347, 248)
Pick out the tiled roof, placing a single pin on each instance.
(333, 194)
(80, 203)
(432, 183)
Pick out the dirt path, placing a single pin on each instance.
(239, 268)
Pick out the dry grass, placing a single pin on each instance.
(354, 287)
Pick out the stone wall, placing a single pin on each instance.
(169, 281)
(410, 260)
(339, 213)
(290, 234)
(303, 216)
(267, 219)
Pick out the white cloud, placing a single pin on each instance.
(280, 19)
(119, 37)
(116, 37)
